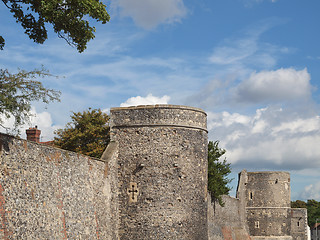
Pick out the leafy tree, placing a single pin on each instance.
(313, 208)
(68, 18)
(17, 91)
(217, 172)
(298, 204)
(88, 133)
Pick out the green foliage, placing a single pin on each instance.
(313, 208)
(298, 204)
(88, 133)
(2, 42)
(66, 16)
(18, 90)
(217, 172)
(313, 212)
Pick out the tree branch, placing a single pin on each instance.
(66, 39)
(5, 3)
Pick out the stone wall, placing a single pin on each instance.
(49, 193)
(228, 222)
(151, 183)
(268, 189)
(162, 166)
(299, 223)
(261, 210)
(268, 202)
(266, 197)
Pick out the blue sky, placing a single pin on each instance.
(252, 65)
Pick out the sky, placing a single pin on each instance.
(252, 65)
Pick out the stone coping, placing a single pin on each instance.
(271, 237)
(268, 172)
(269, 208)
(164, 106)
(47, 146)
(159, 125)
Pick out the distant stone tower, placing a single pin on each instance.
(266, 197)
(162, 171)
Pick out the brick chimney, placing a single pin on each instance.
(33, 134)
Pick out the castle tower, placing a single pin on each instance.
(162, 171)
(267, 203)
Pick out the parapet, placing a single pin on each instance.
(159, 115)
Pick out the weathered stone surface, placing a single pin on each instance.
(299, 223)
(159, 115)
(151, 183)
(49, 193)
(271, 238)
(227, 222)
(268, 189)
(164, 155)
(267, 203)
(269, 221)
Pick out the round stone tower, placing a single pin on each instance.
(268, 204)
(162, 171)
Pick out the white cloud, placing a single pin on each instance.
(259, 126)
(235, 64)
(106, 110)
(268, 0)
(235, 52)
(299, 125)
(272, 138)
(249, 3)
(249, 50)
(311, 191)
(150, 13)
(148, 100)
(42, 120)
(246, 89)
(278, 153)
(278, 85)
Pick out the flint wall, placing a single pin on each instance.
(162, 171)
(49, 193)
